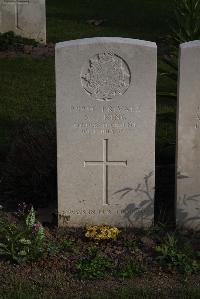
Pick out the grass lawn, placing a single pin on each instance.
(143, 19)
(27, 94)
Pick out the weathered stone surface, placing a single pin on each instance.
(106, 102)
(188, 154)
(24, 17)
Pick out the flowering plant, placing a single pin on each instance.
(23, 241)
(101, 232)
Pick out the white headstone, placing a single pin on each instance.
(24, 17)
(188, 155)
(106, 105)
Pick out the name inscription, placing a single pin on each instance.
(104, 120)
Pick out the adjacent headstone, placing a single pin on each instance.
(188, 154)
(106, 107)
(24, 17)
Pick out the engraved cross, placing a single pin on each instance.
(105, 164)
(17, 3)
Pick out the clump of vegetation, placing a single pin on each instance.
(130, 269)
(55, 247)
(175, 257)
(11, 41)
(187, 21)
(21, 242)
(94, 265)
(102, 232)
(186, 28)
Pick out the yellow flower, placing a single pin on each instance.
(102, 232)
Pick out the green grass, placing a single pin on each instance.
(27, 94)
(27, 89)
(144, 19)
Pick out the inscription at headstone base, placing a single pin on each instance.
(24, 17)
(106, 95)
(188, 153)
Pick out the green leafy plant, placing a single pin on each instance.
(131, 243)
(60, 246)
(94, 265)
(186, 28)
(187, 21)
(11, 41)
(131, 269)
(24, 241)
(169, 254)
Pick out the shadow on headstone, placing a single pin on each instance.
(143, 210)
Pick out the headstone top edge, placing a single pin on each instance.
(194, 43)
(96, 40)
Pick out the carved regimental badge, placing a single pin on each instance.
(105, 76)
